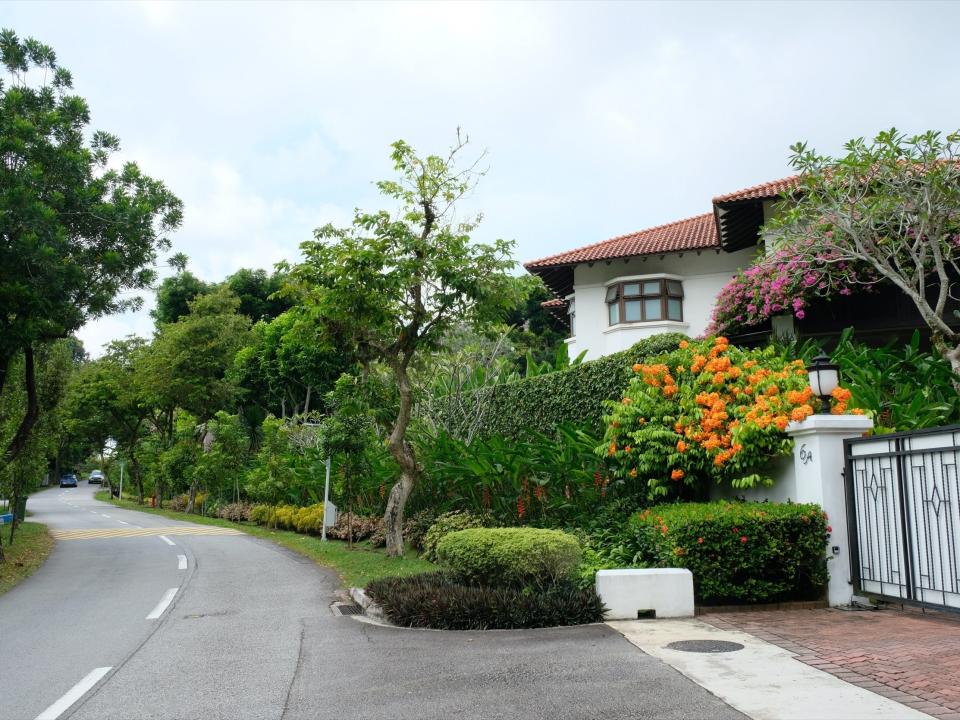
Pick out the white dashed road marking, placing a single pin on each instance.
(167, 540)
(73, 694)
(163, 604)
(181, 562)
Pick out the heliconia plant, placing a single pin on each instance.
(708, 412)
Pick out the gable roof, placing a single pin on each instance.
(760, 192)
(694, 233)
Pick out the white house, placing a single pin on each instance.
(664, 279)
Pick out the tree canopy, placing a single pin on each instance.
(393, 285)
(75, 233)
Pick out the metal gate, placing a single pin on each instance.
(904, 517)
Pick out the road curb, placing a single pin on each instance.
(370, 608)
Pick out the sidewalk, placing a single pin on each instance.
(762, 680)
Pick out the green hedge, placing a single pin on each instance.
(447, 523)
(510, 557)
(541, 403)
(436, 600)
(739, 552)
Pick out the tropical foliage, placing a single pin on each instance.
(707, 413)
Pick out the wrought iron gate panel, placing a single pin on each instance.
(904, 515)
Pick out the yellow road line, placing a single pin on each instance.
(97, 533)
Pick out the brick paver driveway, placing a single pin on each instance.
(907, 655)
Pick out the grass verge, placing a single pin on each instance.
(31, 545)
(356, 566)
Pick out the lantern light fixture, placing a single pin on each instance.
(824, 379)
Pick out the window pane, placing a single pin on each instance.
(612, 293)
(614, 313)
(651, 287)
(674, 309)
(675, 287)
(651, 309)
(572, 307)
(631, 289)
(631, 311)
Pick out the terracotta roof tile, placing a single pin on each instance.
(764, 190)
(554, 303)
(693, 233)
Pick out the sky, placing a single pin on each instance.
(598, 119)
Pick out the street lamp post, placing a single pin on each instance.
(824, 379)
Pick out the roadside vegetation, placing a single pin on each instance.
(357, 563)
(410, 360)
(33, 545)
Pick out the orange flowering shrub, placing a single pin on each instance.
(708, 411)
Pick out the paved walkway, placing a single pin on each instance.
(905, 655)
(760, 679)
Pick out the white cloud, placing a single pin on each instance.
(270, 118)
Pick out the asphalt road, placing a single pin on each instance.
(249, 633)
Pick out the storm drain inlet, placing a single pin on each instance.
(347, 609)
(705, 646)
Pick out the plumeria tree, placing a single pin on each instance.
(392, 286)
(886, 212)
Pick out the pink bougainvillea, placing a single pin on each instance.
(784, 281)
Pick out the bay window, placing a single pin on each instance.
(645, 301)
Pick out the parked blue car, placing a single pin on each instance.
(68, 480)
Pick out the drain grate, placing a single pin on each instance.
(705, 646)
(347, 609)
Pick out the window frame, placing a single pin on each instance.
(664, 294)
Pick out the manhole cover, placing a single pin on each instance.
(705, 646)
(348, 609)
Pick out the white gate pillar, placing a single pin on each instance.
(818, 464)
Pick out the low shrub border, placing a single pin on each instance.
(439, 601)
(356, 566)
(510, 557)
(738, 552)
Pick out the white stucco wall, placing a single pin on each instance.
(702, 275)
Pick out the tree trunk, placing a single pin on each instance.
(32, 414)
(137, 477)
(403, 453)
(951, 353)
(192, 498)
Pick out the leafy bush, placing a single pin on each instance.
(540, 404)
(446, 524)
(309, 519)
(738, 552)
(708, 412)
(238, 512)
(901, 387)
(179, 502)
(516, 557)
(363, 526)
(435, 600)
(415, 528)
(261, 514)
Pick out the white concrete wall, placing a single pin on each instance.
(703, 275)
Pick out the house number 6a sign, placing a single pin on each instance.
(806, 456)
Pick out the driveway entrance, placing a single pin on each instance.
(906, 655)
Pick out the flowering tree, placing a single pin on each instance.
(708, 412)
(888, 211)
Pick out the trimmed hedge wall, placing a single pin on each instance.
(739, 552)
(515, 557)
(543, 402)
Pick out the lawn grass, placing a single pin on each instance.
(31, 545)
(356, 566)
